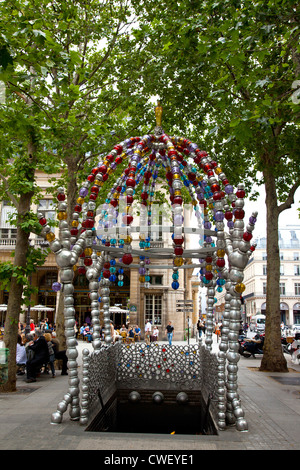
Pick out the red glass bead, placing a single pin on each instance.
(177, 200)
(127, 258)
(119, 160)
(215, 187)
(43, 221)
(81, 270)
(220, 262)
(247, 236)
(191, 176)
(78, 208)
(130, 182)
(127, 219)
(93, 196)
(129, 199)
(240, 193)
(208, 259)
(118, 149)
(178, 240)
(95, 189)
(239, 214)
(110, 158)
(106, 274)
(228, 215)
(88, 261)
(114, 202)
(178, 251)
(104, 177)
(209, 276)
(61, 197)
(91, 178)
(102, 169)
(74, 232)
(144, 196)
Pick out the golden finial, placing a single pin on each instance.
(158, 113)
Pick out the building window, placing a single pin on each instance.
(281, 270)
(281, 257)
(282, 288)
(264, 269)
(46, 207)
(297, 270)
(264, 256)
(156, 280)
(264, 288)
(297, 288)
(153, 308)
(296, 256)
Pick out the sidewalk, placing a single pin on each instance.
(271, 402)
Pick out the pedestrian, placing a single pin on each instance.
(41, 355)
(155, 334)
(199, 329)
(148, 328)
(21, 357)
(169, 332)
(217, 331)
(48, 338)
(59, 355)
(137, 333)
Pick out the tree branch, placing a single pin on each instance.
(290, 199)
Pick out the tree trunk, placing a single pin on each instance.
(15, 297)
(273, 359)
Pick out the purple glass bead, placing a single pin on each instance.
(228, 189)
(56, 286)
(252, 220)
(83, 192)
(219, 216)
(230, 224)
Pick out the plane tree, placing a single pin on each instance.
(228, 71)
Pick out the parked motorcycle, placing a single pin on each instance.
(250, 347)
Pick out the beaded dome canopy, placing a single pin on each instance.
(102, 253)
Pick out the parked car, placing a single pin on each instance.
(296, 328)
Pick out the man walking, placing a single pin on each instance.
(148, 328)
(170, 331)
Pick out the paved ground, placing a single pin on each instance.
(271, 402)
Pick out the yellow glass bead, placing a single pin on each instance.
(116, 195)
(109, 171)
(177, 192)
(142, 278)
(220, 253)
(75, 223)
(50, 237)
(127, 239)
(194, 203)
(218, 170)
(62, 216)
(176, 177)
(211, 205)
(208, 267)
(80, 200)
(97, 182)
(240, 288)
(88, 251)
(205, 211)
(178, 261)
